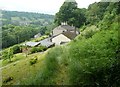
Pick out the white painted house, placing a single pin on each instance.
(63, 34)
(63, 38)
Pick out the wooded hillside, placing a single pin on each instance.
(26, 18)
(18, 27)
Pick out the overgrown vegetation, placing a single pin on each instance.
(49, 69)
(38, 49)
(90, 60)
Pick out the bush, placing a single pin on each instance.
(33, 61)
(88, 33)
(33, 50)
(38, 49)
(42, 48)
(16, 49)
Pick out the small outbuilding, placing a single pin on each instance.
(47, 42)
(32, 44)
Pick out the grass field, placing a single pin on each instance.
(22, 70)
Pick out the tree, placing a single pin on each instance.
(70, 13)
(96, 11)
(79, 18)
(43, 30)
(8, 54)
(65, 12)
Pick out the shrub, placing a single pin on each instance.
(88, 33)
(33, 61)
(33, 50)
(42, 48)
(38, 49)
(16, 49)
(7, 54)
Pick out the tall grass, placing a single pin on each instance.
(51, 65)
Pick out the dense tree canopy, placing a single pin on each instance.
(25, 18)
(21, 26)
(70, 13)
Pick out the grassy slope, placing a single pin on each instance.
(22, 70)
(54, 67)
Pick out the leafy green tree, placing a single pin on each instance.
(70, 13)
(10, 54)
(96, 11)
(43, 30)
(65, 12)
(7, 54)
(79, 18)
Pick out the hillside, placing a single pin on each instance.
(18, 27)
(25, 18)
(84, 61)
(89, 60)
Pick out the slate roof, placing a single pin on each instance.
(70, 1)
(46, 42)
(65, 27)
(70, 35)
(32, 44)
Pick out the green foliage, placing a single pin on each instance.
(91, 60)
(26, 18)
(16, 49)
(34, 50)
(17, 34)
(38, 49)
(89, 31)
(52, 58)
(71, 14)
(15, 31)
(45, 77)
(96, 11)
(111, 17)
(33, 61)
(7, 54)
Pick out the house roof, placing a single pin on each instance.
(65, 27)
(32, 44)
(70, 1)
(46, 42)
(70, 35)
